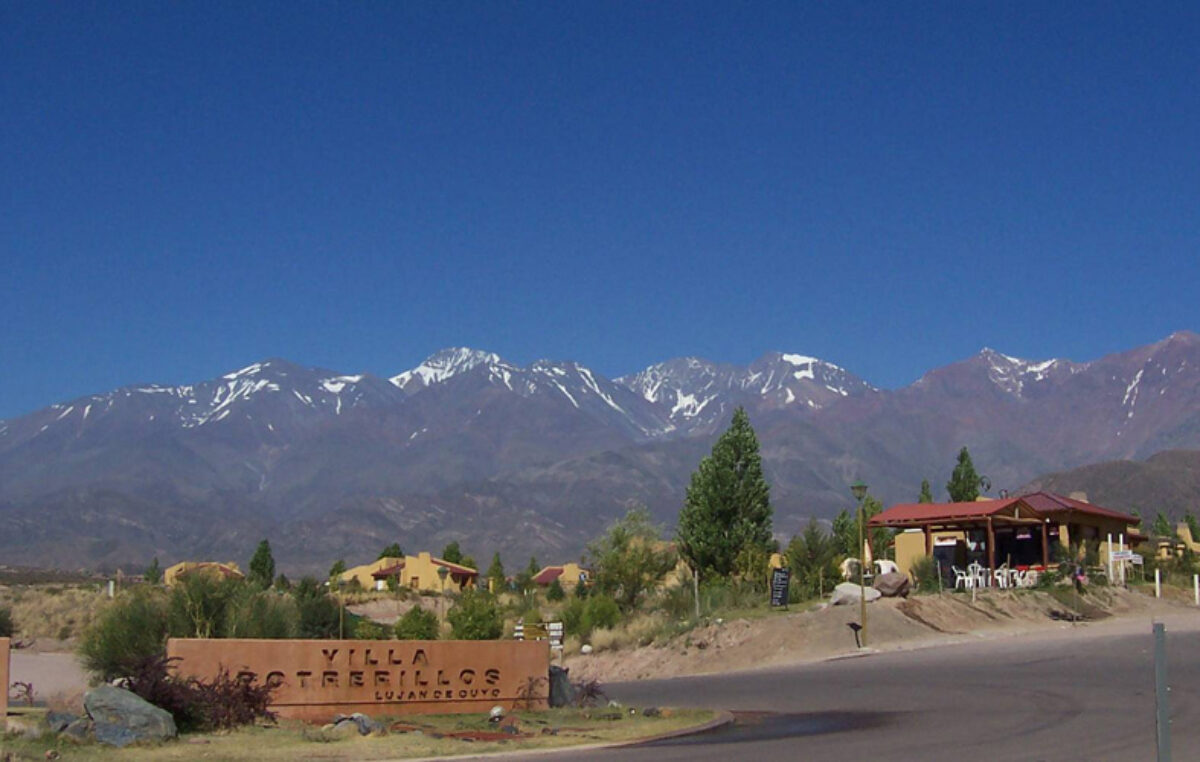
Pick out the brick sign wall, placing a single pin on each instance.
(316, 679)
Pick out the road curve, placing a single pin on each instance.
(1086, 693)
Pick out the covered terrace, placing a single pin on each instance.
(1010, 531)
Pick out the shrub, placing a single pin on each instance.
(319, 614)
(7, 626)
(200, 605)
(601, 612)
(124, 635)
(476, 617)
(924, 574)
(364, 628)
(262, 614)
(555, 592)
(573, 617)
(417, 624)
(222, 702)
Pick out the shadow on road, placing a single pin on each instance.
(772, 726)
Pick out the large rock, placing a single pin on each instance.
(893, 584)
(121, 717)
(848, 592)
(562, 693)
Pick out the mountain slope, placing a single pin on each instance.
(535, 460)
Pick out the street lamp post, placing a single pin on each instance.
(859, 490)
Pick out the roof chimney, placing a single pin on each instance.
(1080, 496)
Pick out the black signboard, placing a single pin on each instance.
(779, 586)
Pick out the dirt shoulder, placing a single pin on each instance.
(921, 621)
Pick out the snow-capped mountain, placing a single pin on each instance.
(698, 394)
(537, 459)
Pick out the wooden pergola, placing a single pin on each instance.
(982, 514)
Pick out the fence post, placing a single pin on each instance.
(1162, 709)
(1111, 580)
(1196, 587)
(1157, 583)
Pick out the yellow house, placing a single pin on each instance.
(364, 573)
(569, 575)
(422, 572)
(1184, 533)
(172, 574)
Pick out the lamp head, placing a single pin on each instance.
(859, 490)
(442, 572)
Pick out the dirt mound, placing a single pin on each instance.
(893, 624)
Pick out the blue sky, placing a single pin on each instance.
(187, 188)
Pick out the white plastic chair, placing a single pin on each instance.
(962, 579)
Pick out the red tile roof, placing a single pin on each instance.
(915, 512)
(456, 568)
(1048, 502)
(389, 571)
(548, 575)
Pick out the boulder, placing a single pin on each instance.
(362, 724)
(121, 717)
(562, 693)
(80, 731)
(892, 585)
(58, 721)
(848, 592)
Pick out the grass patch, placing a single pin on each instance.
(411, 736)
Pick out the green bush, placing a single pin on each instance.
(417, 624)
(475, 617)
(601, 613)
(319, 614)
(924, 574)
(125, 634)
(596, 612)
(555, 592)
(365, 629)
(201, 606)
(7, 626)
(262, 614)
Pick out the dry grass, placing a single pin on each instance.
(294, 741)
(52, 612)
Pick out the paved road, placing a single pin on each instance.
(1087, 694)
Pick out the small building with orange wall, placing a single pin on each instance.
(569, 575)
(421, 572)
(364, 573)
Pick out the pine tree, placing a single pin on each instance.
(1162, 526)
(336, 571)
(728, 505)
(154, 572)
(964, 482)
(262, 566)
(495, 574)
(926, 495)
(392, 551)
(452, 553)
(845, 534)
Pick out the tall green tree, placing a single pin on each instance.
(154, 572)
(964, 481)
(392, 551)
(1162, 526)
(452, 553)
(926, 495)
(495, 574)
(845, 534)
(812, 556)
(728, 503)
(262, 566)
(630, 558)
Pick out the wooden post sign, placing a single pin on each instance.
(316, 679)
(780, 578)
(4, 677)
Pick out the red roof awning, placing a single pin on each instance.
(915, 514)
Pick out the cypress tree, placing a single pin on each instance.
(964, 482)
(728, 505)
(926, 493)
(495, 574)
(262, 566)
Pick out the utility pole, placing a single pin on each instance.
(859, 490)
